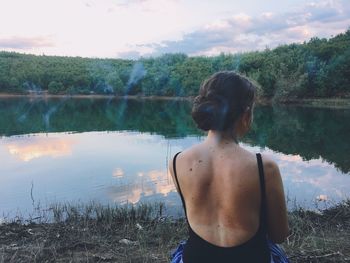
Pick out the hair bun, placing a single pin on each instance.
(209, 112)
(222, 99)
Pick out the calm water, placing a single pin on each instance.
(116, 151)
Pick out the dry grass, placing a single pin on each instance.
(92, 233)
(96, 233)
(322, 236)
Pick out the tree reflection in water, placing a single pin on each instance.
(311, 133)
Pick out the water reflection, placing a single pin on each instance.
(120, 149)
(310, 133)
(308, 181)
(32, 147)
(145, 184)
(118, 173)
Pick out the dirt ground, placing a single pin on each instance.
(106, 234)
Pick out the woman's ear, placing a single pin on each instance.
(243, 124)
(247, 120)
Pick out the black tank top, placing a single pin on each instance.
(198, 250)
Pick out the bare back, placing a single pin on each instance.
(221, 188)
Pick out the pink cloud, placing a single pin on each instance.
(17, 42)
(242, 32)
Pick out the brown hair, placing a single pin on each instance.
(222, 99)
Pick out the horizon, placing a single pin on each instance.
(159, 55)
(108, 29)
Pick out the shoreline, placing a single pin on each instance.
(320, 102)
(91, 96)
(342, 103)
(96, 233)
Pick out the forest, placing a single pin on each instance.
(318, 68)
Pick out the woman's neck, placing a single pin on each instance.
(221, 138)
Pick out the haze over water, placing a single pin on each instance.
(116, 151)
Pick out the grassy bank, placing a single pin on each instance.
(96, 233)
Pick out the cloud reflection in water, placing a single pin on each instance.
(130, 167)
(310, 181)
(118, 173)
(144, 184)
(28, 148)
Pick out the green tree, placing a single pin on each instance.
(55, 87)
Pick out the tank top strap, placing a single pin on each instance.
(178, 185)
(263, 209)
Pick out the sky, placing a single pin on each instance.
(134, 28)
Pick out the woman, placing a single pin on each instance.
(233, 199)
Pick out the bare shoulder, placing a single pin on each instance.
(268, 162)
(190, 154)
(184, 157)
(273, 178)
(271, 169)
(249, 158)
(278, 228)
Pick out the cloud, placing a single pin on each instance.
(127, 3)
(131, 2)
(151, 7)
(25, 42)
(132, 54)
(242, 32)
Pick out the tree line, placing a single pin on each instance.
(317, 68)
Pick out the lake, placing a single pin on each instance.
(117, 150)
